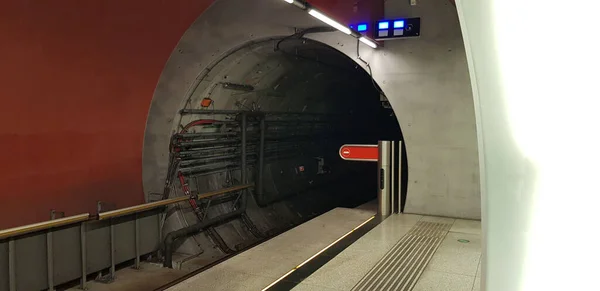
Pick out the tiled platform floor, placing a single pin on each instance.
(454, 267)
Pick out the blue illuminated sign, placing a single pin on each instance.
(362, 27)
(399, 24)
(384, 25)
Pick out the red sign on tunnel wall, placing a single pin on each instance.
(360, 152)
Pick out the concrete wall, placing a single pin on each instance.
(426, 80)
(429, 88)
(537, 106)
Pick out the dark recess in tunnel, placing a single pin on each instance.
(294, 106)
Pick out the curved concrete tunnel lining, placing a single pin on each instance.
(286, 80)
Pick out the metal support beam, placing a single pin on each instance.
(12, 266)
(111, 276)
(383, 193)
(261, 160)
(160, 233)
(244, 129)
(50, 259)
(137, 242)
(83, 244)
(399, 203)
(112, 250)
(393, 177)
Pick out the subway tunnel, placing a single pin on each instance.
(275, 62)
(297, 99)
(288, 104)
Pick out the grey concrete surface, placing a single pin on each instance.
(148, 277)
(453, 267)
(258, 267)
(426, 80)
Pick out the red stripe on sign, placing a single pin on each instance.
(368, 153)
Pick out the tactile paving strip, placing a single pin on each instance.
(402, 266)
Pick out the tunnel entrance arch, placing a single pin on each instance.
(433, 130)
(333, 101)
(169, 96)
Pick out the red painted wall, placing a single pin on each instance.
(76, 81)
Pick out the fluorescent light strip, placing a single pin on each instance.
(289, 1)
(315, 255)
(330, 21)
(368, 42)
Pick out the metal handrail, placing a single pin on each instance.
(21, 230)
(228, 112)
(47, 229)
(148, 206)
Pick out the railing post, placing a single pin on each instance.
(12, 266)
(160, 233)
(137, 242)
(111, 276)
(112, 251)
(50, 254)
(82, 240)
(50, 260)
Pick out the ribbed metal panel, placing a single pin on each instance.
(401, 267)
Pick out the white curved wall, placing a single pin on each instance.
(425, 79)
(534, 68)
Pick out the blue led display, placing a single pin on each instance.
(384, 25)
(399, 24)
(362, 27)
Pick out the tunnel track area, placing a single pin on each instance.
(240, 125)
(220, 260)
(238, 140)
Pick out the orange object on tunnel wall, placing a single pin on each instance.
(76, 81)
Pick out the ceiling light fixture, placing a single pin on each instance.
(368, 42)
(324, 18)
(362, 27)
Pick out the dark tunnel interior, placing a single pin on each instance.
(292, 102)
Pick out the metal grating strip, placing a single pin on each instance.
(400, 268)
